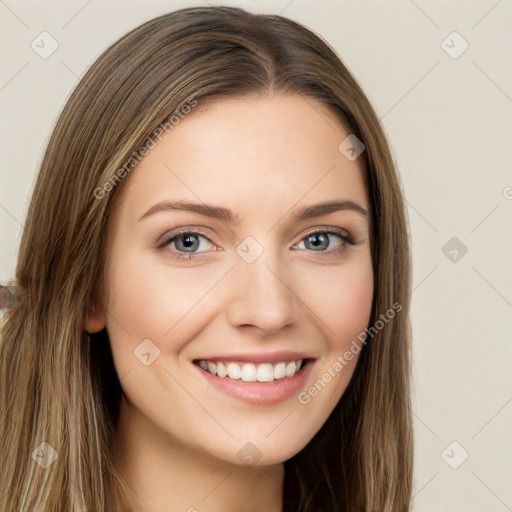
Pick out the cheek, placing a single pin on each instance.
(344, 306)
(350, 309)
(140, 308)
(148, 299)
(151, 300)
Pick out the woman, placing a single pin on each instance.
(265, 369)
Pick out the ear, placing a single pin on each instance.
(95, 318)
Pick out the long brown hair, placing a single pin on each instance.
(58, 383)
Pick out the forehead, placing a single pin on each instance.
(260, 155)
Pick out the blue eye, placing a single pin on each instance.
(188, 243)
(320, 238)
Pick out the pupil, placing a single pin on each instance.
(188, 241)
(319, 239)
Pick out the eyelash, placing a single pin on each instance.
(347, 240)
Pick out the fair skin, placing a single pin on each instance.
(182, 438)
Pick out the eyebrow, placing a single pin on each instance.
(226, 215)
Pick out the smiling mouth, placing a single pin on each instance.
(251, 372)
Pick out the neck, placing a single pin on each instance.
(162, 472)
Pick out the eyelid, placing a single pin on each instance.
(342, 233)
(169, 235)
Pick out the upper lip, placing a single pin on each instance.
(259, 357)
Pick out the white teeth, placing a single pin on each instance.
(249, 372)
(221, 370)
(290, 369)
(279, 371)
(234, 371)
(265, 372)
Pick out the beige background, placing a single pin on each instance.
(449, 119)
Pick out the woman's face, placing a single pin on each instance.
(243, 286)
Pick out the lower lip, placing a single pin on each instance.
(261, 393)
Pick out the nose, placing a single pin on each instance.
(263, 297)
